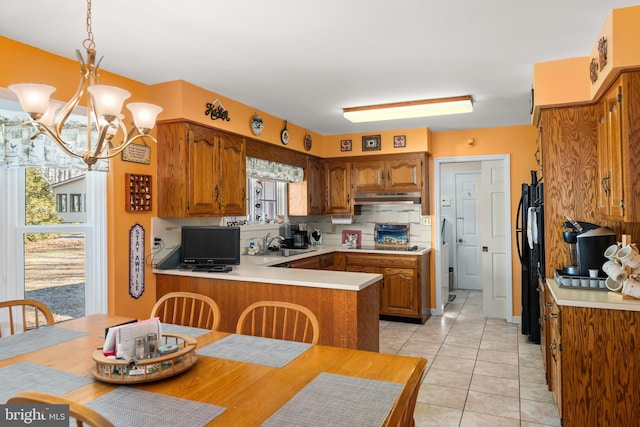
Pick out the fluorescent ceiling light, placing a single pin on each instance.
(410, 109)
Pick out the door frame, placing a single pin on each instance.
(437, 163)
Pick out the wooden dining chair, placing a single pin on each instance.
(281, 320)
(83, 415)
(188, 309)
(32, 314)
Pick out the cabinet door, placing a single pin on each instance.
(555, 351)
(338, 188)
(400, 292)
(172, 171)
(312, 263)
(231, 187)
(615, 185)
(315, 198)
(203, 174)
(404, 174)
(368, 176)
(604, 165)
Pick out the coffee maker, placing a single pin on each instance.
(587, 243)
(288, 231)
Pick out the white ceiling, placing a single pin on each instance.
(304, 61)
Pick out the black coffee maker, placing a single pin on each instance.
(587, 243)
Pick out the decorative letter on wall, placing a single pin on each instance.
(136, 261)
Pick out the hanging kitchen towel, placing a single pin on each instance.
(530, 222)
(534, 226)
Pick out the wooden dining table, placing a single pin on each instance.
(250, 393)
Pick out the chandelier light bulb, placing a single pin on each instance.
(108, 100)
(144, 115)
(33, 97)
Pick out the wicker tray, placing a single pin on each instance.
(118, 371)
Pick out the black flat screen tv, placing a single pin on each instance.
(210, 245)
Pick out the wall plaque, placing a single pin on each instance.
(137, 153)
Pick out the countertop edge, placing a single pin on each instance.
(591, 298)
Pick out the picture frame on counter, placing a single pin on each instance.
(371, 143)
(345, 145)
(399, 141)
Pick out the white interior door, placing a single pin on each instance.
(467, 248)
(493, 238)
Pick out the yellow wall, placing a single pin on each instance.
(519, 143)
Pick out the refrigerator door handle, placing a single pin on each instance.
(520, 230)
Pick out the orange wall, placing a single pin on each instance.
(519, 143)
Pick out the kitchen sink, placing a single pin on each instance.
(285, 252)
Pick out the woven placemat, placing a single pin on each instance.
(256, 350)
(129, 407)
(29, 376)
(35, 339)
(184, 330)
(338, 400)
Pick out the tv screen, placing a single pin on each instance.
(210, 245)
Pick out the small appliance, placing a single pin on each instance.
(587, 243)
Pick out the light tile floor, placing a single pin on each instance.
(480, 371)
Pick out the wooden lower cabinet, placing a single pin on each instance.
(594, 371)
(318, 262)
(405, 293)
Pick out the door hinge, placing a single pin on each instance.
(560, 347)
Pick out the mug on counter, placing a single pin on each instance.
(611, 252)
(629, 256)
(614, 270)
(613, 285)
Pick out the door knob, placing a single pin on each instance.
(459, 240)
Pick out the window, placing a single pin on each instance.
(61, 202)
(267, 201)
(76, 203)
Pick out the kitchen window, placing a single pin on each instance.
(267, 201)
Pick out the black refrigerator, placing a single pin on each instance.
(530, 245)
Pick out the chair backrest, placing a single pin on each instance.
(82, 414)
(188, 309)
(281, 320)
(32, 314)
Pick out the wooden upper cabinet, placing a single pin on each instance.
(337, 190)
(306, 197)
(397, 174)
(201, 171)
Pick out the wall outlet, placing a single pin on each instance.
(426, 220)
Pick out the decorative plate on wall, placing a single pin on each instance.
(284, 135)
(256, 124)
(307, 142)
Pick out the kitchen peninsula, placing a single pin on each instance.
(347, 303)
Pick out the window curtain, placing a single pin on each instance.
(23, 147)
(265, 169)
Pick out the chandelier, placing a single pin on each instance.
(104, 108)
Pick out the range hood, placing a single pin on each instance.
(388, 198)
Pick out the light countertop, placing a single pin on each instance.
(591, 298)
(256, 268)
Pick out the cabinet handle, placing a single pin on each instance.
(605, 184)
(553, 315)
(389, 176)
(348, 199)
(217, 192)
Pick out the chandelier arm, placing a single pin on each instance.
(46, 131)
(67, 109)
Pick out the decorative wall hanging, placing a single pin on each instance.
(399, 141)
(216, 110)
(137, 153)
(284, 135)
(138, 192)
(371, 143)
(593, 70)
(136, 261)
(307, 142)
(345, 145)
(602, 52)
(257, 126)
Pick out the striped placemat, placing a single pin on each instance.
(29, 376)
(184, 330)
(35, 339)
(130, 407)
(338, 400)
(256, 350)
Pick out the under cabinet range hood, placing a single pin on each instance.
(388, 198)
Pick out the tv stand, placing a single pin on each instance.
(214, 269)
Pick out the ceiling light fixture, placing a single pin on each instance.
(410, 109)
(103, 110)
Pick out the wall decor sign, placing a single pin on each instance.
(602, 52)
(216, 111)
(345, 145)
(399, 141)
(136, 261)
(371, 143)
(137, 153)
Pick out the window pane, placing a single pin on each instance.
(54, 272)
(54, 196)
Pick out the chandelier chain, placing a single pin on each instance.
(88, 42)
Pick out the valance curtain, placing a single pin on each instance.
(265, 169)
(20, 149)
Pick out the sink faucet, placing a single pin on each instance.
(266, 241)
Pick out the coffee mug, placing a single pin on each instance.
(629, 257)
(614, 270)
(613, 285)
(612, 251)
